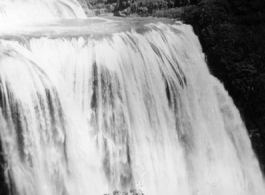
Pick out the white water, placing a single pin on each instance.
(21, 12)
(132, 109)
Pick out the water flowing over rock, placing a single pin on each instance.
(93, 106)
(17, 12)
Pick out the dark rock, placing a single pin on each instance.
(119, 14)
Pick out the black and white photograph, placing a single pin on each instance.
(132, 97)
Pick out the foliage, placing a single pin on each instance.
(3, 165)
(170, 13)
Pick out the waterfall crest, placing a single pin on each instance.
(136, 109)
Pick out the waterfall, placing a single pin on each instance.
(98, 105)
(21, 12)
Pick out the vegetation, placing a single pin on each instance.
(3, 185)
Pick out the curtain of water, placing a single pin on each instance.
(132, 110)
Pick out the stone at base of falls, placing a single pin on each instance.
(120, 14)
(132, 192)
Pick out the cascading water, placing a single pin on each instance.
(18, 12)
(93, 106)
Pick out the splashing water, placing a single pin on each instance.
(85, 111)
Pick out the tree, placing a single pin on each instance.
(121, 4)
